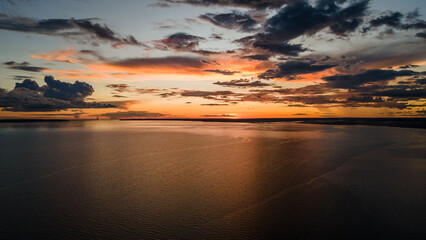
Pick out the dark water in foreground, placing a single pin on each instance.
(195, 180)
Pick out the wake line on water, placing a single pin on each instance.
(281, 193)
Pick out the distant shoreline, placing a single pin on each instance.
(32, 120)
(389, 122)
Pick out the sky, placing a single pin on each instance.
(93, 59)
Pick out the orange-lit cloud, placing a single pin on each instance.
(67, 56)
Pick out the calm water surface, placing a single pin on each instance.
(195, 180)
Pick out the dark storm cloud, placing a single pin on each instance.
(55, 95)
(415, 93)
(132, 114)
(29, 84)
(290, 69)
(239, 21)
(23, 66)
(257, 4)
(223, 72)
(85, 29)
(176, 62)
(73, 92)
(242, 83)
(396, 20)
(392, 19)
(280, 48)
(178, 41)
(262, 43)
(352, 81)
(302, 18)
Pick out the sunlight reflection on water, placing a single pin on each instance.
(153, 179)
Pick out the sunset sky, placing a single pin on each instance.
(212, 58)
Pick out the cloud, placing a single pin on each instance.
(178, 41)
(352, 81)
(73, 92)
(302, 18)
(306, 90)
(392, 19)
(421, 81)
(290, 69)
(54, 96)
(235, 20)
(421, 35)
(29, 84)
(216, 36)
(21, 77)
(23, 66)
(133, 114)
(217, 115)
(214, 104)
(382, 54)
(323, 95)
(123, 88)
(279, 48)
(160, 62)
(259, 97)
(414, 93)
(168, 94)
(154, 65)
(257, 4)
(119, 87)
(260, 43)
(408, 66)
(223, 72)
(205, 52)
(259, 57)
(79, 29)
(364, 99)
(242, 83)
(214, 95)
(163, 5)
(395, 20)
